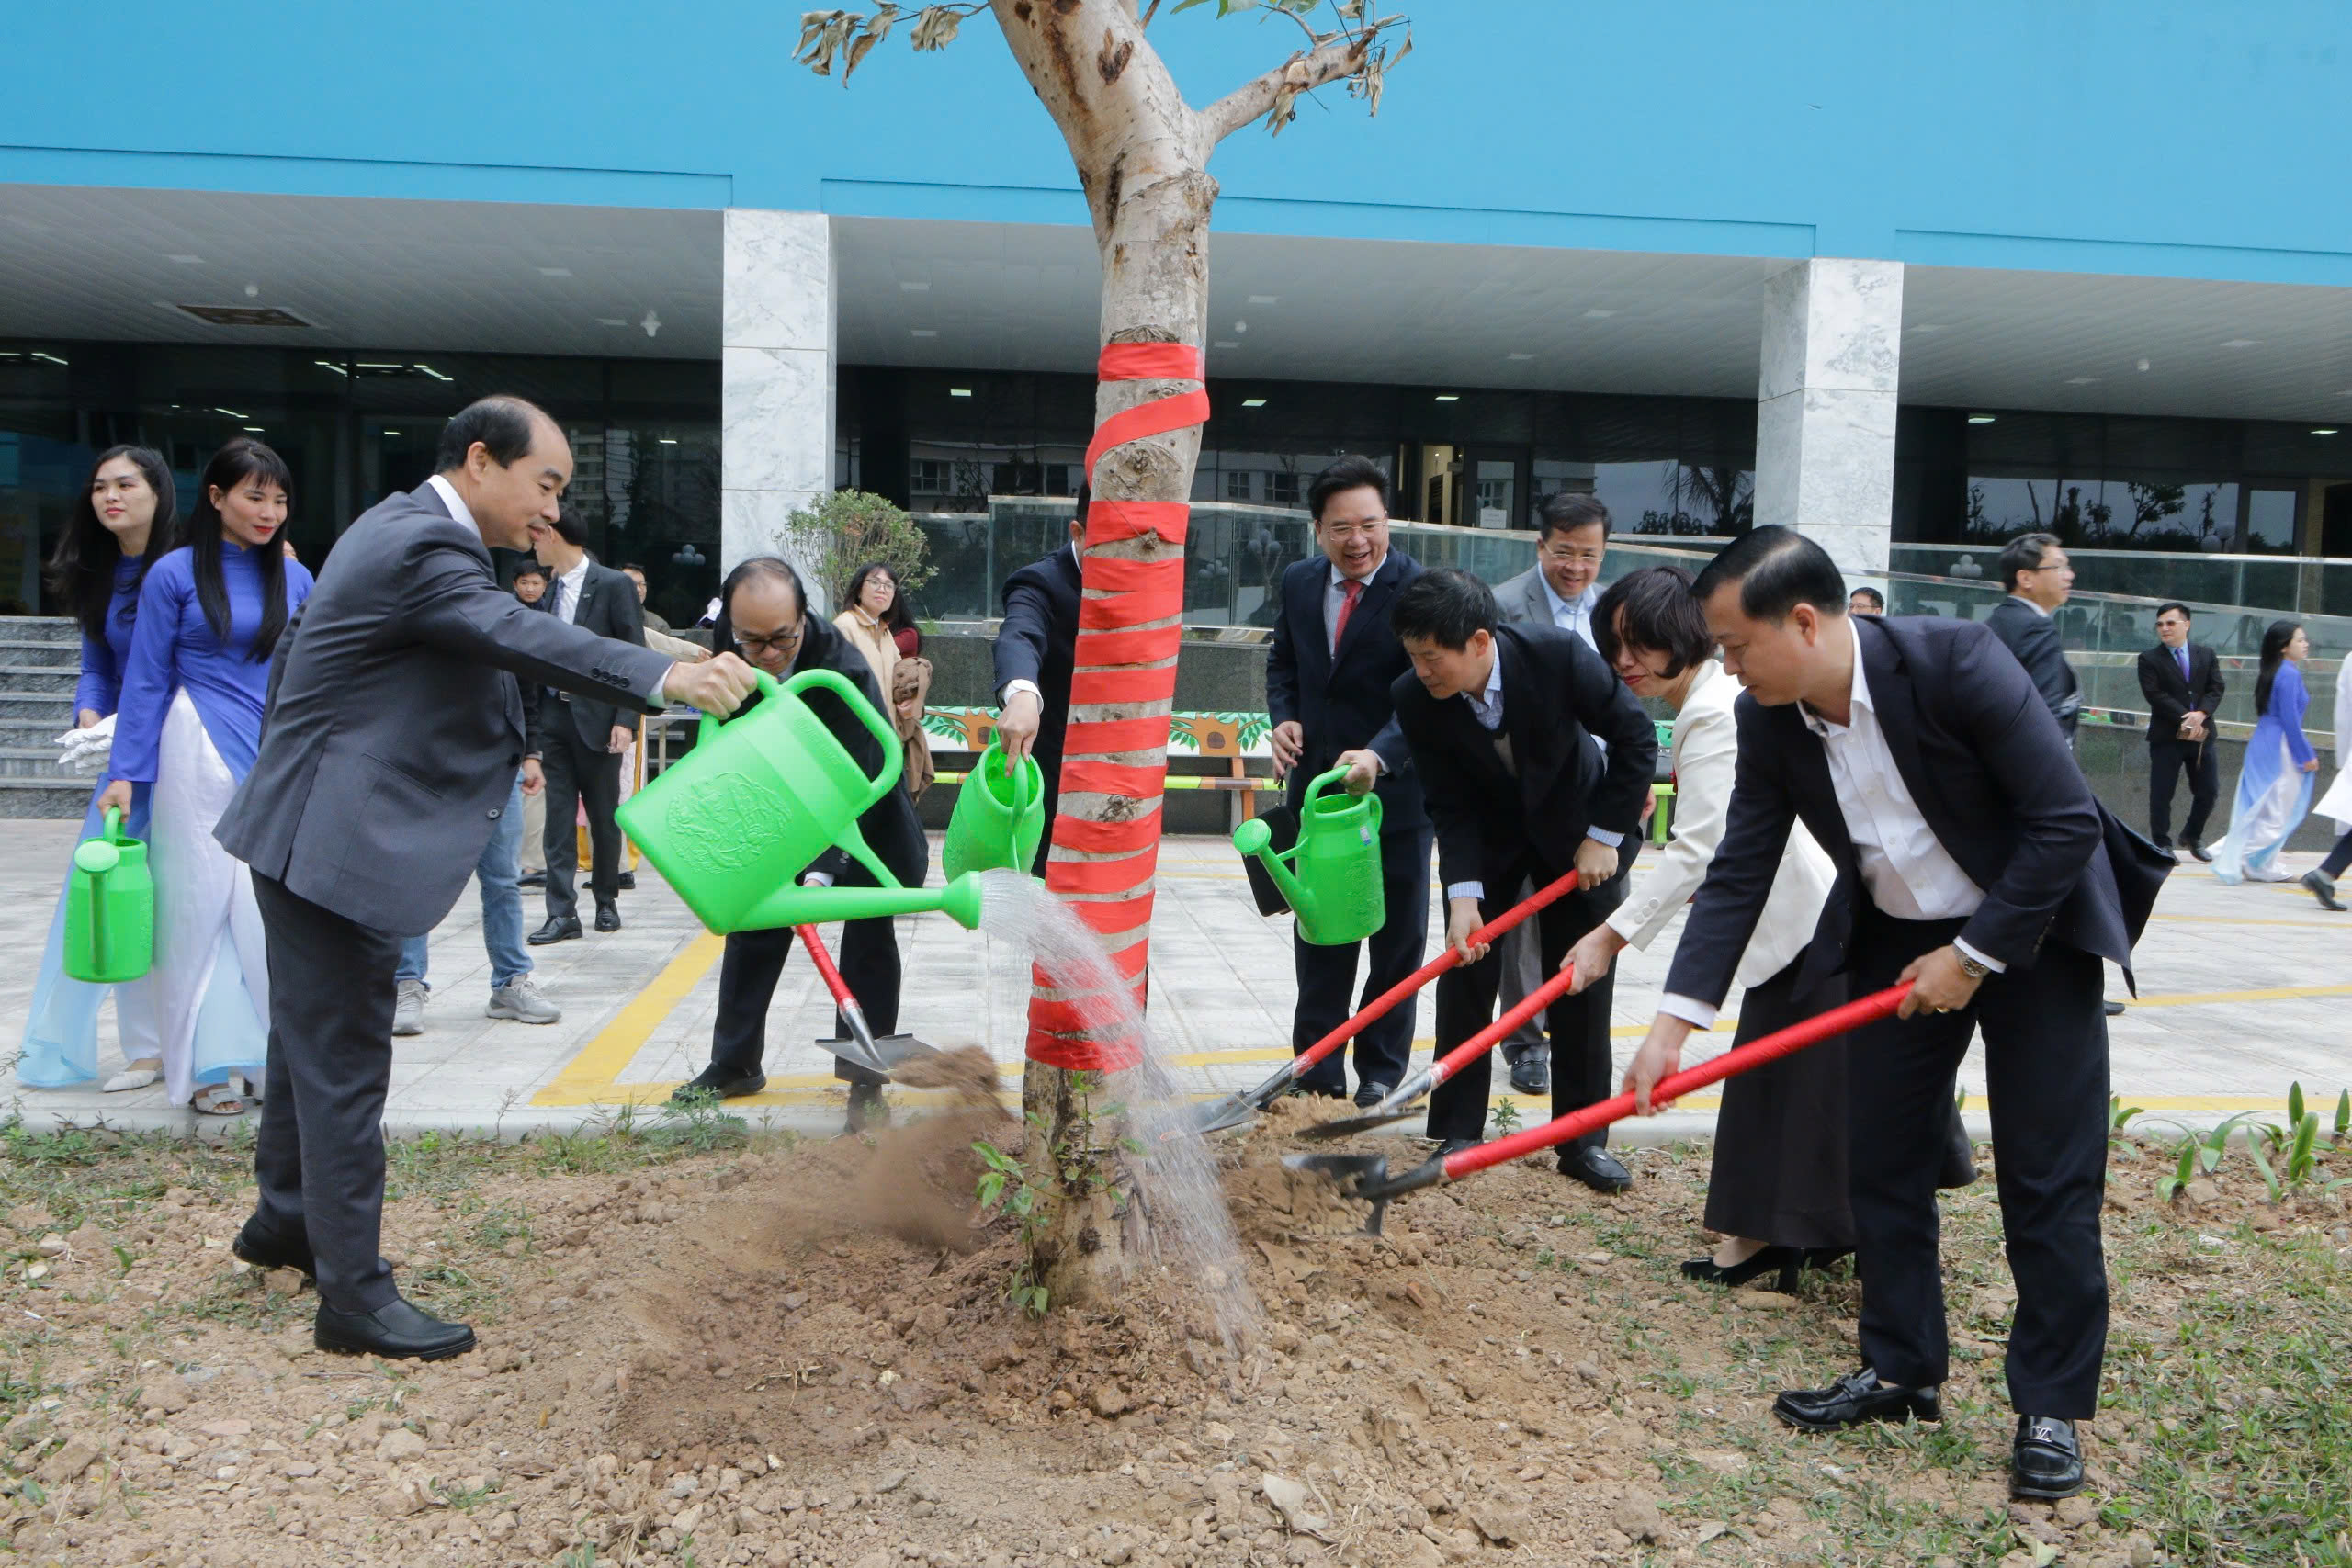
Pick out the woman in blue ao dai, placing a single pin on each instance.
(2275, 786)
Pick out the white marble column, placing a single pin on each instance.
(1824, 411)
(776, 378)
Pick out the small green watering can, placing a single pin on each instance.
(736, 822)
(1333, 880)
(999, 816)
(109, 908)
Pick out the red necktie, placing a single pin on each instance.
(1351, 591)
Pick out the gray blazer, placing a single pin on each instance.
(1524, 598)
(395, 723)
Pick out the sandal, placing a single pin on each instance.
(224, 1099)
(134, 1075)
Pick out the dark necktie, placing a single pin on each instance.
(2181, 654)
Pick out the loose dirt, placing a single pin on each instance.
(803, 1356)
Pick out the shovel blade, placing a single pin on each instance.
(1233, 1111)
(856, 1054)
(889, 1051)
(1324, 1131)
(1352, 1174)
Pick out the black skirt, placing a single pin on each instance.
(1780, 1169)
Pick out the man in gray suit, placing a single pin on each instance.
(1559, 590)
(389, 750)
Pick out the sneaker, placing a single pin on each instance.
(407, 1008)
(520, 1000)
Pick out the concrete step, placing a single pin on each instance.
(19, 703)
(47, 798)
(39, 629)
(59, 678)
(34, 762)
(46, 654)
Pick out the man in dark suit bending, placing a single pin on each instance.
(1329, 690)
(1037, 648)
(2182, 683)
(582, 738)
(1973, 861)
(1501, 719)
(389, 750)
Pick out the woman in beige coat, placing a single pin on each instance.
(877, 624)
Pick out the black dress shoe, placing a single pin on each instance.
(1531, 1074)
(724, 1082)
(395, 1330)
(1788, 1260)
(1372, 1094)
(1597, 1168)
(2112, 1010)
(560, 928)
(1454, 1146)
(1960, 1157)
(627, 882)
(262, 1250)
(2200, 851)
(1853, 1399)
(2047, 1461)
(532, 879)
(609, 915)
(2322, 887)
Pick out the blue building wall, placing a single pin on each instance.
(2126, 136)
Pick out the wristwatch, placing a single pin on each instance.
(1970, 967)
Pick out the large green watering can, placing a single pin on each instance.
(735, 822)
(109, 908)
(1333, 880)
(999, 816)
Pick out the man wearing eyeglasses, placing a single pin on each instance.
(763, 618)
(1559, 590)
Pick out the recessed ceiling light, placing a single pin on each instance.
(669, 440)
(331, 365)
(959, 391)
(1980, 419)
(2243, 342)
(555, 272)
(2142, 366)
(924, 331)
(186, 261)
(2327, 430)
(1265, 299)
(1598, 315)
(254, 428)
(2080, 380)
(1449, 397)
(51, 358)
(915, 288)
(1518, 357)
(391, 432)
(1253, 402)
(233, 413)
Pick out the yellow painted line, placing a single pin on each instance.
(603, 1058)
(2259, 993)
(2237, 921)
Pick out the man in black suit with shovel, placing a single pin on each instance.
(1973, 861)
(1329, 680)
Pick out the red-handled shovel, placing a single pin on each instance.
(1238, 1110)
(1366, 1175)
(861, 1049)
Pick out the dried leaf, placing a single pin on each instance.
(935, 27)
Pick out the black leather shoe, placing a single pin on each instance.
(1455, 1146)
(1959, 1158)
(2200, 851)
(532, 879)
(1372, 1094)
(560, 928)
(1531, 1074)
(1853, 1399)
(2323, 888)
(721, 1082)
(628, 882)
(1788, 1261)
(2112, 1010)
(608, 916)
(262, 1250)
(1597, 1168)
(395, 1331)
(2047, 1461)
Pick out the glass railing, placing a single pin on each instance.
(2286, 584)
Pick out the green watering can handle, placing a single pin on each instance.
(97, 856)
(1322, 781)
(893, 760)
(114, 825)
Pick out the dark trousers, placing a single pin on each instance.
(2340, 859)
(1326, 975)
(319, 1153)
(2166, 760)
(1779, 1163)
(2046, 1074)
(577, 771)
(1578, 1024)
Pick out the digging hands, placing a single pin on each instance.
(1287, 741)
(1937, 983)
(1462, 918)
(1660, 1055)
(1591, 956)
(1596, 863)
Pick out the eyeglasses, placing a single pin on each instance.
(1565, 557)
(778, 641)
(1373, 529)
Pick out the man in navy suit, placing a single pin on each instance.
(2182, 681)
(1327, 684)
(1036, 646)
(1973, 861)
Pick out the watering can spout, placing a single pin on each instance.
(1255, 839)
(959, 900)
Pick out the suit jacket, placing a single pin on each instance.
(1344, 700)
(1556, 695)
(2033, 637)
(1990, 771)
(1706, 758)
(1039, 641)
(609, 607)
(395, 721)
(2169, 696)
(1525, 598)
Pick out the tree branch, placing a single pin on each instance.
(1251, 102)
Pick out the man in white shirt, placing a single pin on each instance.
(1560, 590)
(1974, 863)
